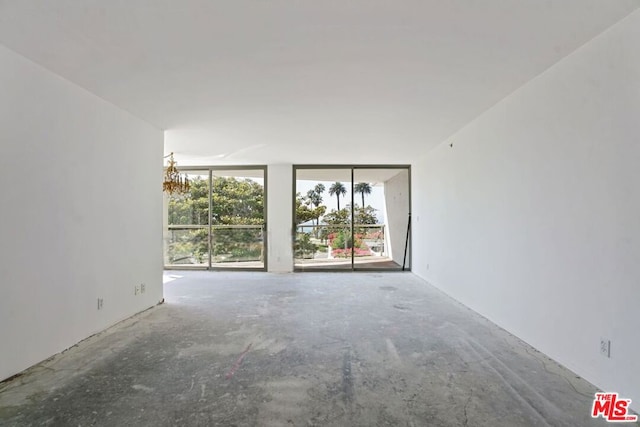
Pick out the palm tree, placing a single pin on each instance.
(314, 199)
(314, 196)
(319, 189)
(338, 189)
(362, 188)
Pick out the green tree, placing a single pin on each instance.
(319, 188)
(319, 211)
(235, 202)
(362, 188)
(304, 247)
(338, 190)
(337, 222)
(343, 240)
(193, 208)
(365, 216)
(341, 217)
(314, 197)
(303, 212)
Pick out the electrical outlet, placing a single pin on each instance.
(100, 303)
(605, 347)
(142, 288)
(136, 289)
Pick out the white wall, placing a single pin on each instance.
(80, 216)
(396, 200)
(532, 218)
(279, 218)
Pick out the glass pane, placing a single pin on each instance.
(186, 223)
(323, 219)
(381, 215)
(237, 246)
(187, 246)
(237, 219)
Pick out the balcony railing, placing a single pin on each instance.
(204, 245)
(328, 242)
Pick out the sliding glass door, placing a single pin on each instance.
(220, 223)
(186, 233)
(322, 218)
(351, 217)
(238, 219)
(381, 213)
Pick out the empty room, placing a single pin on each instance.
(337, 213)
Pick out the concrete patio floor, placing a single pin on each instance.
(307, 349)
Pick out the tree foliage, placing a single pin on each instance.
(192, 209)
(303, 212)
(306, 212)
(337, 189)
(341, 217)
(365, 216)
(362, 188)
(314, 196)
(304, 247)
(234, 202)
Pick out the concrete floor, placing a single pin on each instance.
(307, 349)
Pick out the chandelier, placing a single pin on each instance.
(174, 183)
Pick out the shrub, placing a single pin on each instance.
(346, 253)
(342, 239)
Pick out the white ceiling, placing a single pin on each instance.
(331, 81)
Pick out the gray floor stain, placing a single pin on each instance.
(347, 379)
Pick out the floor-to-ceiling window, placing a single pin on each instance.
(220, 222)
(351, 217)
(186, 233)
